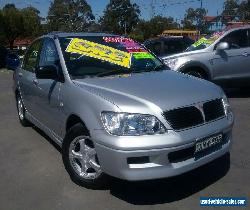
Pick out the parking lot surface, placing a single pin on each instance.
(32, 175)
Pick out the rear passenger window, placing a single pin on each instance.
(31, 57)
(237, 39)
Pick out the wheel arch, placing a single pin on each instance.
(196, 65)
(74, 119)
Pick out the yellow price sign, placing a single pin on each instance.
(99, 51)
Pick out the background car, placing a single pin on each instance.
(12, 61)
(222, 57)
(164, 46)
(3, 53)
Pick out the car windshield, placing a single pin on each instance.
(106, 55)
(205, 42)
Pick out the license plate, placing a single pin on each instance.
(206, 143)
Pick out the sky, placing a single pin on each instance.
(174, 8)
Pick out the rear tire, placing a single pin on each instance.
(21, 112)
(80, 159)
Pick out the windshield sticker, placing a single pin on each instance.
(117, 39)
(99, 51)
(130, 45)
(135, 49)
(143, 55)
(202, 41)
(209, 40)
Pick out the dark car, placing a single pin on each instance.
(3, 53)
(12, 61)
(164, 46)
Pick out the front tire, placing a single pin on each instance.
(195, 73)
(21, 112)
(80, 158)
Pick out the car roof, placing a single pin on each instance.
(71, 34)
(230, 29)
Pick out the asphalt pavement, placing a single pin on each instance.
(32, 175)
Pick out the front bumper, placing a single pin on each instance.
(129, 160)
(125, 165)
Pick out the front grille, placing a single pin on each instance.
(213, 110)
(191, 116)
(184, 117)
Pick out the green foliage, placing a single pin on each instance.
(230, 11)
(244, 10)
(235, 10)
(154, 27)
(195, 19)
(31, 22)
(69, 15)
(12, 23)
(120, 16)
(15, 23)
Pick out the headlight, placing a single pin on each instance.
(171, 63)
(126, 124)
(226, 105)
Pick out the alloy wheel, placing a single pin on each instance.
(83, 158)
(20, 108)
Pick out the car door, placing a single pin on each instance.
(48, 91)
(26, 76)
(232, 64)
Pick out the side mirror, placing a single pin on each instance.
(222, 46)
(47, 72)
(12, 61)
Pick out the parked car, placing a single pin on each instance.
(3, 53)
(222, 57)
(165, 46)
(12, 61)
(115, 109)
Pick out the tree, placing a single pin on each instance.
(195, 19)
(31, 22)
(12, 23)
(153, 27)
(244, 10)
(2, 37)
(120, 16)
(69, 15)
(230, 11)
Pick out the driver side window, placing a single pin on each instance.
(49, 55)
(237, 39)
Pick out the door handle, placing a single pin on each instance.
(245, 54)
(35, 81)
(20, 74)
